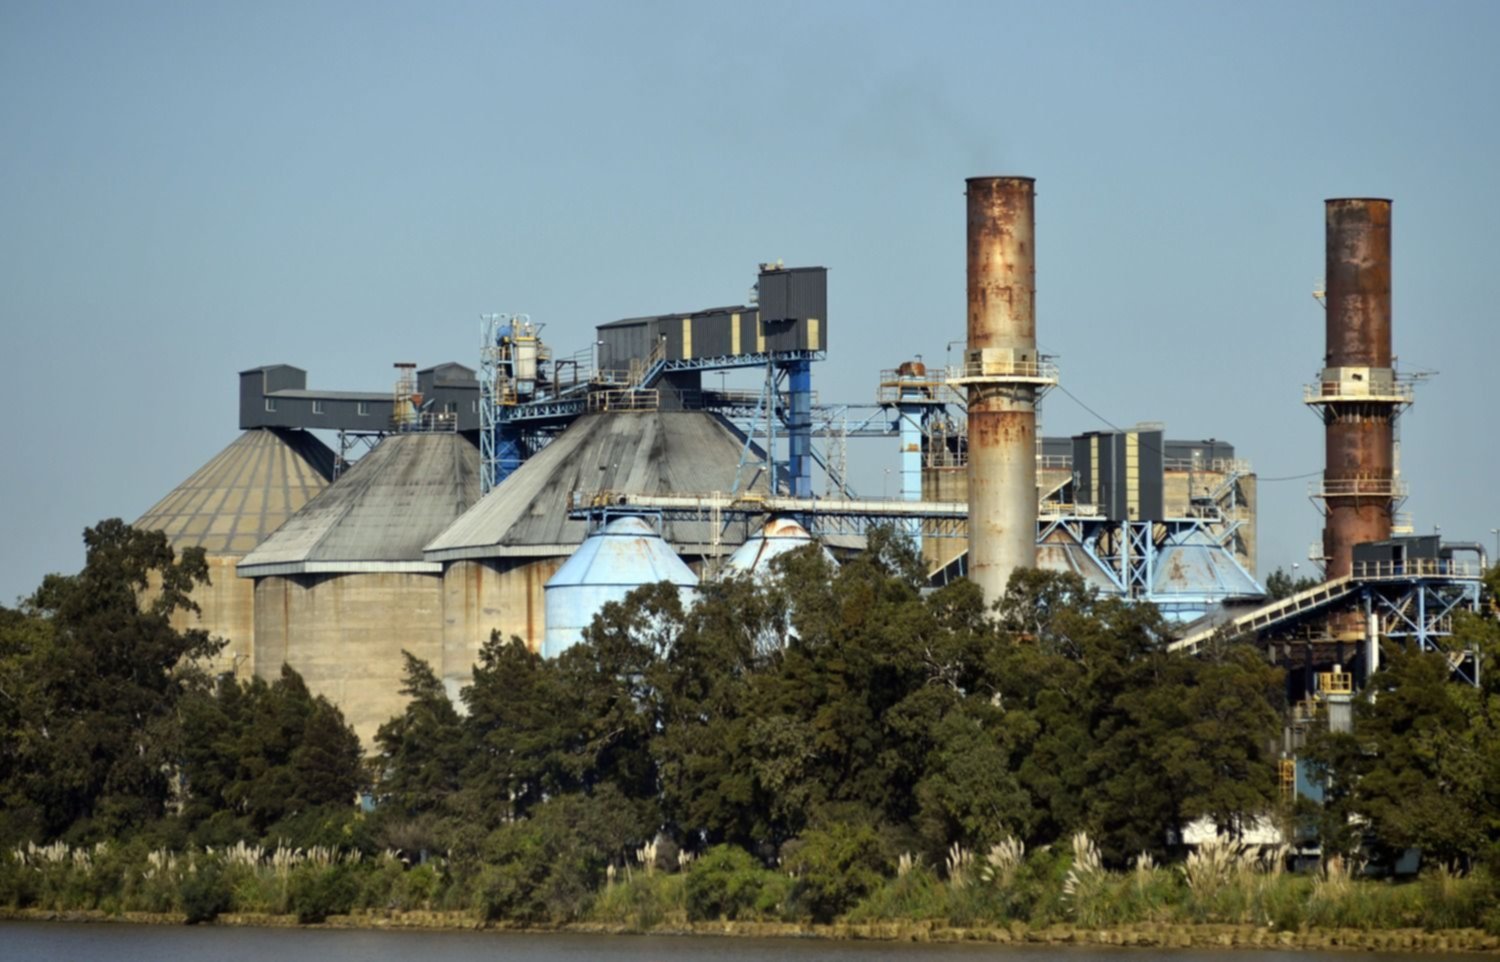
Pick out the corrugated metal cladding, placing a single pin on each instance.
(623, 340)
(793, 294)
(793, 316)
(794, 309)
(1121, 472)
(1399, 550)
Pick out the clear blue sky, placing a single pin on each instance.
(191, 189)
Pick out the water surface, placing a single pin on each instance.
(118, 942)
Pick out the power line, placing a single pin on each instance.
(1259, 480)
(1289, 477)
(1080, 403)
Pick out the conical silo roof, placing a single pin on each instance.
(626, 552)
(776, 538)
(1199, 568)
(244, 493)
(380, 513)
(624, 555)
(649, 452)
(1061, 553)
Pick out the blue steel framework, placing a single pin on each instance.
(509, 365)
(514, 425)
(906, 402)
(1128, 555)
(1412, 603)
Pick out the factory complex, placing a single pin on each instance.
(522, 495)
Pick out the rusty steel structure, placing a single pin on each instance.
(1004, 376)
(1358, 396)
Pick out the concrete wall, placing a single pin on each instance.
(227, 606)
(482, 596)
(345, 633)
(226, 610)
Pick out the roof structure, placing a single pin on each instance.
(1199, 567)
(626, 553)
(777, 537)
(244, 493)
(380, 513)
(646, 452)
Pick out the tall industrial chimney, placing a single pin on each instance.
(1358, 396)
(1004, 375)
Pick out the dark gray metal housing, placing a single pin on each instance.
(1399, 551)
(792, 316)
(276, 396)
(1121, 472)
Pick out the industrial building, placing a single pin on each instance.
(342, 588)
(1381, 588)
(227, 508)
(518, 498)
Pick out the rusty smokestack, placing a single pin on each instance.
(1004, 375)
(1359, 396)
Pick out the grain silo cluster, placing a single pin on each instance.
(521, 496)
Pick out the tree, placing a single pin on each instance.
(701, 688)
(522, 723)
(101, 672)
(422, 749)
(267, 753)
(1280, 585)
(1419, 778)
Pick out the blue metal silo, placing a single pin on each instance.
(779, 536)
(623, 555)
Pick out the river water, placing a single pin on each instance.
(109, 942)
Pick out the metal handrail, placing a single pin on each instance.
(424, 422)
(1357, 487)
(1335, 683)
(1415, 568)
(1035, 371)
(627, 400)
(1356, 391)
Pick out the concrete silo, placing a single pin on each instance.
(227, 508)
(498, 557)
(342, 589)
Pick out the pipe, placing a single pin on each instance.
(1480, 552)
(1358, 391)
(1002, 371)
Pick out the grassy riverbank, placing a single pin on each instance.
(1221, 897)
(1146, 935)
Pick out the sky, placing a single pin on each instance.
(191, 189)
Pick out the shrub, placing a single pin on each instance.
(915, 894)
(730, 883)
(835, 866)
(316, 892)
(205, 892)
(642, 902)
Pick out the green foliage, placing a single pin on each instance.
(832, 715)
(317, 891)
(206, 892)
(1281, 585)
(728, 882)
(270, 754)
(642, 901)
(547, 866)
(93, 674)
(422, 750)
(835, 865)
(520, 732)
